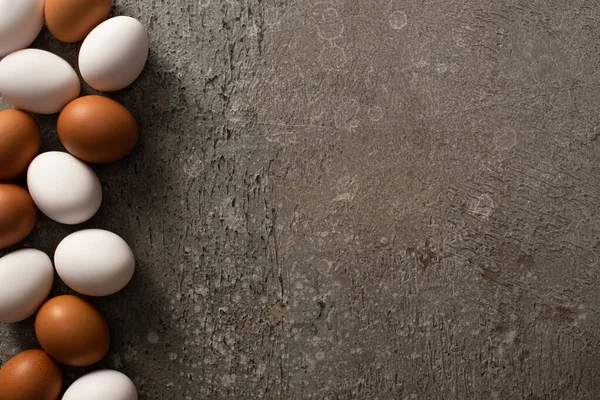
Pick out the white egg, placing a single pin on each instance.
(20, 23)
(25, 281)
(105, 384)
(94, 262)
(63, 187)
(113, 55)
(38, 81)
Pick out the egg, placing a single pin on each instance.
(19, 142)
(30, 375)
(94, 262)
(113, 55)
(101, 385)
(63, 187)
(37, 81)
(26, 278)
(72, 331)
(71, 20)
(97, 129)
(20, 23)
(17, 214)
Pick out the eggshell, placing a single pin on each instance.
(101, 385)
(20, 23)
(26, 278)
(94, 262)
(97, 129)
(30, 375)
(63, 187)
(71, 20)
(37, 81)
(72, 331)
(17, 214)
(113, 55)
(19, 142)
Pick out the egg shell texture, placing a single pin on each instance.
(97, 129)
(19, 142)
(113, 55)
(38, 81)
(71, 20)
(72, 331)
(94, 262)
(26, 278)
(20, 23)
(63, 187)
(18, 214)
(102, 385)
(30, 375)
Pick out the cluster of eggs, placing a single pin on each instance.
(93, 129)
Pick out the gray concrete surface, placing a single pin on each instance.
(356, 200)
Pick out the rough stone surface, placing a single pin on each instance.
(356, 200)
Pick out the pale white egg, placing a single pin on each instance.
(64, 188)
(94, 262)
(26, 278)
(20, 23)
(38, 81)
(113, 55)
(103, 384)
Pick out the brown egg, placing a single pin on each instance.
(30, 375)
(18, 214)
(97, 129)
(71, 20)
(72, 331)
(19, 142)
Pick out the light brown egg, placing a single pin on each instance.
(30, 375)
(18, 214)
(72, 331)
(19, 142)
(97, 129)
(71, 20)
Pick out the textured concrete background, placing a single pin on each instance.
(356, 200)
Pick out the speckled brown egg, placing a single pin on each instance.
(18, 214)
(30, 375)
(97, 129)
(72, 331)
(71, 20)
(19, 142)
